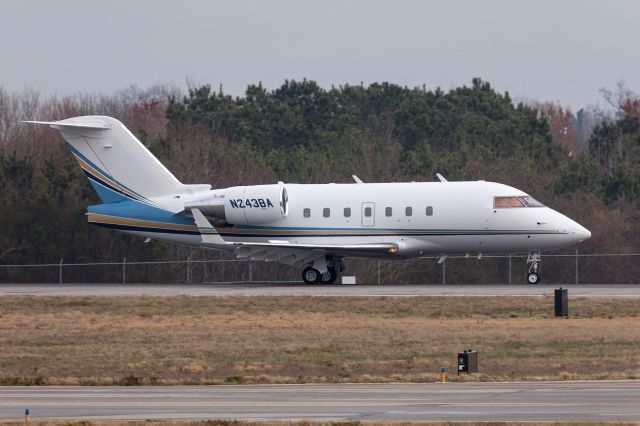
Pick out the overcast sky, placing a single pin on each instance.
(543, 49)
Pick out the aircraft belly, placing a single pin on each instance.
(507, 243)
(409, 247)
(188, 240)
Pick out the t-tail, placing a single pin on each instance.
(136, 189)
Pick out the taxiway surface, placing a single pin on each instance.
(532, 401)
(252, 289)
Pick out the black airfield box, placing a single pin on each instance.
(561, 302)
(468, 361)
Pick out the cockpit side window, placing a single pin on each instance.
(515, 201)
(506, 202)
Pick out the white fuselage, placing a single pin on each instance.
(444, 218)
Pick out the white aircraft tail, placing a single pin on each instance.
(116, 163)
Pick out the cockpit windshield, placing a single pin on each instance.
(516, 201)
(529, 201)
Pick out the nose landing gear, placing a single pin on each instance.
(533, 258)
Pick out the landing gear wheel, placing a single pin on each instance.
(534, 259)
(311, 275)
(329, 276)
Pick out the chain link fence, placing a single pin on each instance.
(567, 268)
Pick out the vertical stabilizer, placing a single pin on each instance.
(118, 165)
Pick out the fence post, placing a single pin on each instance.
(509, 269)
(379, 277)
(444, 271)
(250, 271)
(124, 270)
(188, 277)
(60, 273)
(576, 266)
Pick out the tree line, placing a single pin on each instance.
(301, 132)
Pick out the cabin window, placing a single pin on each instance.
(429, 211)
(367, 211)
(306, 212)
(408, 211)
(326, 212)
(347, 212)
(388, 211)
(506, 202)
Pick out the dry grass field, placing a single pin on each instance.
(293, 423)
(217, 340)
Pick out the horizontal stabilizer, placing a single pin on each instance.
(61, 124)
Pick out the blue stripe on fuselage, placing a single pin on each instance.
(132, 209)
(397, 233)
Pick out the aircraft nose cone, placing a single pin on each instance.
(580, 233)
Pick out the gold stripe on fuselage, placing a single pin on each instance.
(116, 220)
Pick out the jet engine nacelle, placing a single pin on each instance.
(255, 205)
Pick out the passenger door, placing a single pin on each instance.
(368, 214)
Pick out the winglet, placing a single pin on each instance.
(207, 231)
(442, 179)
(356, 179)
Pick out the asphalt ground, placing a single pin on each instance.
(526, 401)
(253, 289)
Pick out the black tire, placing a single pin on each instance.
(311, 275)
(533, 278)
(329, 277)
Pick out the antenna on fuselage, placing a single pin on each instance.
(356, 179)
(442, 179)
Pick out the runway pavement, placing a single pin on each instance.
(532, 401)
(252, 289)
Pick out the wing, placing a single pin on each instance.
(283, 251)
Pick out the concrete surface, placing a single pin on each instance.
(532, 401)
(581, 290)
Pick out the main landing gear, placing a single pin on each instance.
(312, 275)
(533, 258)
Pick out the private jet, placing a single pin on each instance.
(314, 227)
